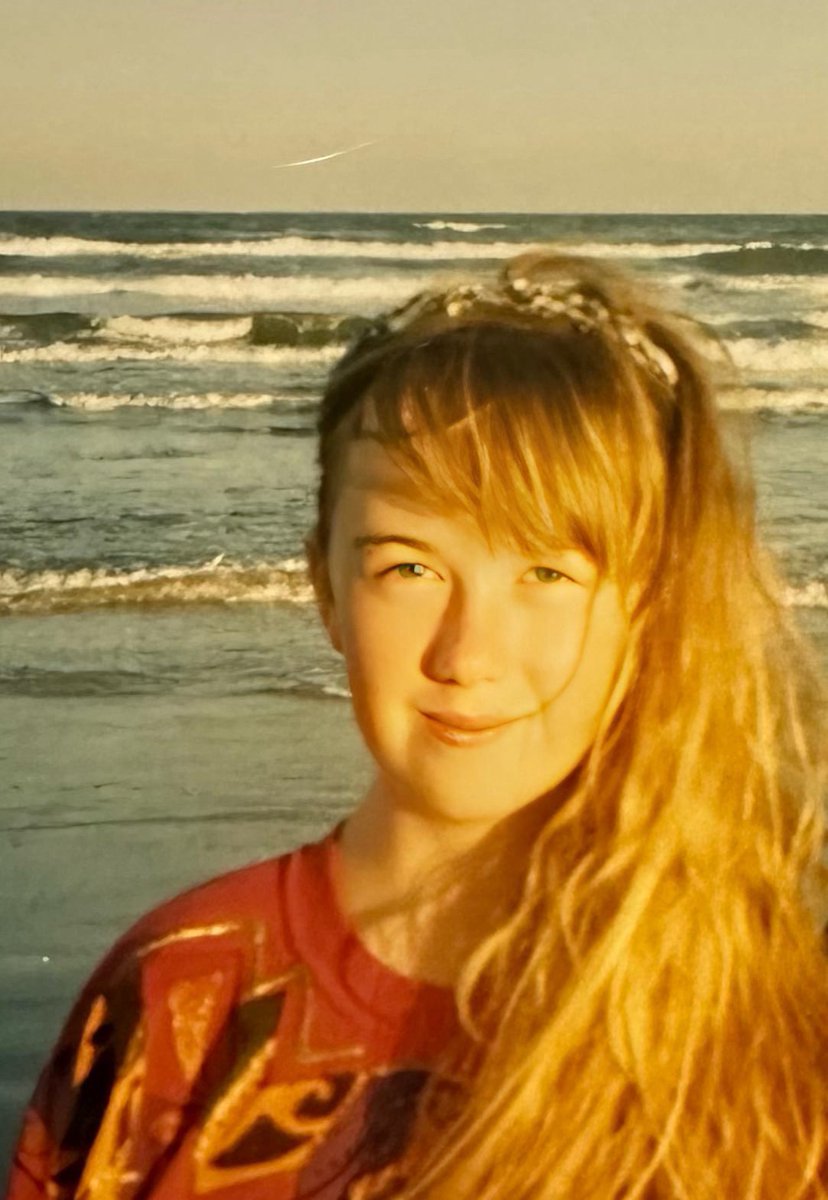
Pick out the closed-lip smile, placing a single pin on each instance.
(469, 724)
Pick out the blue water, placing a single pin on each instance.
(168, 704)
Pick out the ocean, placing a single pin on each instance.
(169, 707)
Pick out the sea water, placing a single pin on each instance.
(169, 707)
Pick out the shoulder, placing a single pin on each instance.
(236, 919)
(157, 1005)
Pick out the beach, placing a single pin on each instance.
(169, 705)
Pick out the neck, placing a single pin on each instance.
(422, 891)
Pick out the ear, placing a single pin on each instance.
(320, 579)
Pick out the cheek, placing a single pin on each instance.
(381, 646)
(578, 670)
(556, 651)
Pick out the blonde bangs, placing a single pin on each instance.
(526, 437)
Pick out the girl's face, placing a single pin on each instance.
(478, 675)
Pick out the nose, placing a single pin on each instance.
(469, 643)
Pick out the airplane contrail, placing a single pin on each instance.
(303, 162)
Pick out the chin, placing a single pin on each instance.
(470, 802)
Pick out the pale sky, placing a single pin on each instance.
(473, 105)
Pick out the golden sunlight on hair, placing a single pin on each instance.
(650, 1020)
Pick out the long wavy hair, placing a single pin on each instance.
(650, 1016)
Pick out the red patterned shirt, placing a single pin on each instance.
(238, 1043)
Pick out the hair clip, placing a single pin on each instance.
(563, 299)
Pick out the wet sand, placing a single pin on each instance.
(134, 803)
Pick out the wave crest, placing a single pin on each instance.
(214, 582)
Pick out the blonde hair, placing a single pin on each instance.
(650, 1019)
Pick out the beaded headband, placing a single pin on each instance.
(562, 300)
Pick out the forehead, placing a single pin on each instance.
(375, 489)
(374, 482)
(369, 468)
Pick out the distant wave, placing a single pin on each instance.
(97, 402)
(260, 328)
(772, 329)
(648, 250)
(813, 594)
(91, 352)
(183, 328)
(458, 226)
(196, 329)
(214, 582)
(107, 401)
(280, 247)
(801, 354)
(359, 293)
(793, 400)
(729, 257)
(801, 288)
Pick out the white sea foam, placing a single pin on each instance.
(458, 226)
(278, 247)
(97, 402)
(792, 400)
(798, 287)
(178, 329)
(94, 351)
(292, 246)
(731, 399)
(785, 355)
(813, 594)
(212, 582)
(650, 250)
(332, 689)
(785, 246)
(361, 293)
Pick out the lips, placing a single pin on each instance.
(475, 724)
(462, 730)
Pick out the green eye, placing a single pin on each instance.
(410, 570)
(547, 574)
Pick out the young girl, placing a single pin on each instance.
(567, 947)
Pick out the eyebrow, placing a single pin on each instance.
(383, 539)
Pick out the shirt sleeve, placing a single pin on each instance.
(64, 1115)
(109, 1105)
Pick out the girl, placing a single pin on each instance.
(568, 944)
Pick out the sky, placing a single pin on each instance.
(470, 105)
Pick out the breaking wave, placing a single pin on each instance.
(795, 400)
(214, 582)
(732, 257)
(785, 355)
(278, 247)
(217, 352)
(357, 293)
(459, 226)
(813, 594)
(97, 402)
